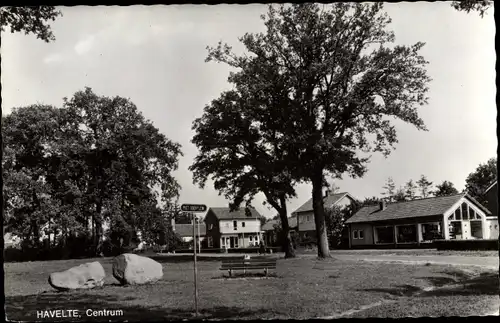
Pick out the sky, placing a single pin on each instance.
(155, 56)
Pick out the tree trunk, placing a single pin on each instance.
(286, 239)
(98, 229)
(319, 216)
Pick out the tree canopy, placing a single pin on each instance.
(30, 20)
(445, 188)
(95, 160)
(479, 180)
(480, 6)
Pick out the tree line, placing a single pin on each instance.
(96, 160)
(475, 185)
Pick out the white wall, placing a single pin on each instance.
(310, 225)
(305, 225)
(251, 225)
(492, 228)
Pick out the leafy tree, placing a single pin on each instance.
(401, 195)
(445, 188)
(126, 159)
(30, 20)
(480, 6)
(27, 135)
(478, 181)
(424, 185)
(317, 82)
(96, 160)
(241, 158)
(390, 188)
(410, 190)
(335, 222)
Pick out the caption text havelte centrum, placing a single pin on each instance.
(76, 313)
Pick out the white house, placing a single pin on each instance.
(305, 215)
(238, 229)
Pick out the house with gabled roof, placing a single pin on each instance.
(269, 229)
(306, 226)
(237, 229)
(185, 231)
(416, 222)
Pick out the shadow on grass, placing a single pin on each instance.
(484, 284)
(400, 290)
(25, 308)
(248, 275)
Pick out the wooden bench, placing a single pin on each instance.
(248, 264)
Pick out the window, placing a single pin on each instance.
(476, 229)
(251, 238)
(361, 234)
(210, 227)
(472, 214)
(210, 242)
(355, 234)
(465, 214)
(235, 225)
(431, 231)
(455, 230)
(223, 242)
(406, 233)
(457, 214)
(242, 224)
(384, 235)
(308, 218)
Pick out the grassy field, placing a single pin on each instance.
(301, 288)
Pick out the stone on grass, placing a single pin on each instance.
(85, 276)
(131, 269)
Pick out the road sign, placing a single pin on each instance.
(193, 207)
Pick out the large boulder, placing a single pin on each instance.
(85, 276)
(132, 269)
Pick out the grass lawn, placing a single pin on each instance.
(303, 288)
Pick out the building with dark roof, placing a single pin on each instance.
(269, 229)
(185, 231)
(306, 226)
(237, 229)
(421, 221)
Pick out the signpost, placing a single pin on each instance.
(193, 208)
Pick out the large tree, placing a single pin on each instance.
(424, 186)
(445, 188)
(241, 158)
(96, 159)
(30, 20)
(479, 180)
(326, 81)
(128, 163)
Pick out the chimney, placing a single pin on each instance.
(382, 205)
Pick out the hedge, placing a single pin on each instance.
(480, 244)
